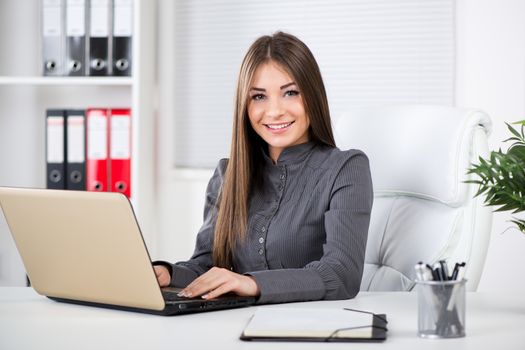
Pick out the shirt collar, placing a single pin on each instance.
(290, 155)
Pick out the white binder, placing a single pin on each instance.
(53, 36)
(75, 37)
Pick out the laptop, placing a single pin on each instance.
(87, 248)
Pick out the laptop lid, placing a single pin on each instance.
(83, 246)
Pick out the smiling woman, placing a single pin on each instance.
(287, 215)
(276, 109)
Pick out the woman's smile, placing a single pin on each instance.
(276, 109)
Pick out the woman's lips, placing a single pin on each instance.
(278, 128)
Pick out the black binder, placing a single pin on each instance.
(76, 150)
(122, 37)
(75, 37)
(55, 149)
(53, 37)
(99, 35)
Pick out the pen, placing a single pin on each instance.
(423, 272)
(444, 269)
(459, 267)
(455, 272)
(438, 272)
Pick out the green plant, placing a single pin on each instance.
(502, 176)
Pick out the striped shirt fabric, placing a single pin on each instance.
(307, 226)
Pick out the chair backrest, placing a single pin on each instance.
(423, 210)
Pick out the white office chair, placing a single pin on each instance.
(423, 210)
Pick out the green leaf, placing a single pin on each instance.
(518, 151)
(521, 122)
(501, 177)
(513, 131)
(520, 224)
(512, 139)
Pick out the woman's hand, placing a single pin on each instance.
(163, 275)
(218, 281)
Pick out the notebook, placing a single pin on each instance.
(87, 248)
(315, 324)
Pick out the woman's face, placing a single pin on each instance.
(276, 109)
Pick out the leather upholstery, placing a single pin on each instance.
(423, 210)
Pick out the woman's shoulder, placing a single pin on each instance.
(347, 166)
(333, 157)
(217, 178)
(220, 171)
(222, 165)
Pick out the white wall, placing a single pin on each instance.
(491, 76)
(180, 193)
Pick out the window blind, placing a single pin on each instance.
(369, 52)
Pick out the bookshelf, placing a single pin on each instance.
(66, 81)
(25, 95)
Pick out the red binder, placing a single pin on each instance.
(97, 161)
(120, 151)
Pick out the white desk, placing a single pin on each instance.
(30, 321)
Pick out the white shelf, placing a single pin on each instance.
(66, 81)
(25, 95)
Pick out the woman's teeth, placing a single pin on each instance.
(278, 126)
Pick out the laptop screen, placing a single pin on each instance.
(84, 246)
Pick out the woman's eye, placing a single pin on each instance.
(257, 97)
(291, 93)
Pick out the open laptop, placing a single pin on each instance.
(86, 248)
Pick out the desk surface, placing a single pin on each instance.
(30, 321)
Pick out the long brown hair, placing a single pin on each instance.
(243, 172)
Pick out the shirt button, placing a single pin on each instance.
(261, 240)
(280, 187)
(261, 251)
(263, 229)
(283, 176)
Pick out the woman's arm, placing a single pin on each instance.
(182, 273)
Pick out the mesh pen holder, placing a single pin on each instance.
(441, 309)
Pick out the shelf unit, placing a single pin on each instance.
(66, 81)
(25, 95)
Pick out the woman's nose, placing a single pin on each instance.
(275, 108)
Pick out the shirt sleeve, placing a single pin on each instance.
(183, 272)
(337, 274)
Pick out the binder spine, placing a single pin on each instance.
(99, 37)
(76, 150)
(55, 149)
(122, 37)
(97, 171)
(120, 151)
(75, 37)
(53, 37)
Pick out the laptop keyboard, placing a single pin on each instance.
(172, 296)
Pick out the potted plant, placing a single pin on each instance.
(502, 176)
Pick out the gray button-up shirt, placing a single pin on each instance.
(307, 226)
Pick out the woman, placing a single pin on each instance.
(287, 215)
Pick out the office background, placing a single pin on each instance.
(466, 53)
